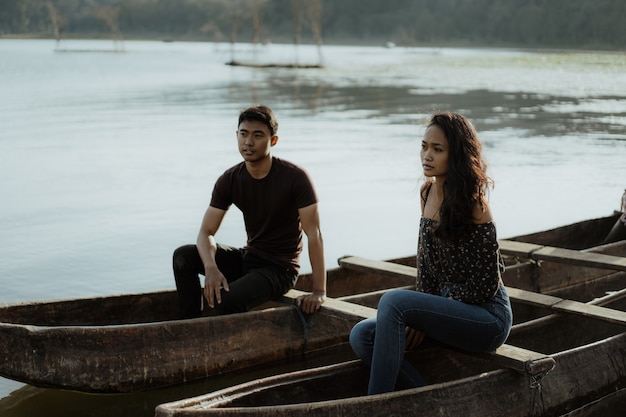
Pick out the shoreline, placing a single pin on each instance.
(362, 43)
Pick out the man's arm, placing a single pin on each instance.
(214, 280)
(309, 217)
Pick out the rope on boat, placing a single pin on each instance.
(307, 323)
(535, 274)
(536, 396)
(536, 405)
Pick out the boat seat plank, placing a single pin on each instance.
(532, 298)
(518, 249)
(378, 293)
(561, 305)
(522, 296)
(592, 311)
(334, 306)
(552, 254)
(519, 359)
(513, 357)
(609, 297)
(383, 268)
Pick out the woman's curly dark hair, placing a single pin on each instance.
(466, 182)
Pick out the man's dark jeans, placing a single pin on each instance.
(252, 280)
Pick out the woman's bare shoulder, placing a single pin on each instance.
(425, 188)
(482, 214)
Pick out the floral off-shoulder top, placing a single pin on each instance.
(466, 269)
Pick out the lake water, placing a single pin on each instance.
(107, 160)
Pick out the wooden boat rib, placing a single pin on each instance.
(134, 342)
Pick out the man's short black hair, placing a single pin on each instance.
(262, 114)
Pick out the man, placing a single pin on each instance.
(278, 202)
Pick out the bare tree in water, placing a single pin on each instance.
(59, 9)
(309, 11)
(110, 16)
(257, 7)
(235, 11)
(257, 11)
(57, 21)
(297, 19)
(314, 14)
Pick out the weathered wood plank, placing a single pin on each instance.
(379, 267)
(609, 297)
(362, 297)
(591, 311)
(552, 254)
(336, 307)
(519, 359)
(518, 249)
(561, 305)
(532, 298)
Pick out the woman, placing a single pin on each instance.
(460, 298)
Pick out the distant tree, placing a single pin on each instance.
(314, 14)
(57, 22)
(110, 16)
(525, 23)
(235, 12)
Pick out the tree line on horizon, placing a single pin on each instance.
(578, 24)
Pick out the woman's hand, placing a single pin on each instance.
(413, 338)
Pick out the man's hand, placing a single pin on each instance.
(311, 303)
(214, 281)
(413, 338)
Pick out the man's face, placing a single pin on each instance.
(254, 140)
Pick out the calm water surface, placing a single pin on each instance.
(107, 160)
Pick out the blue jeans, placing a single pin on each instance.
(379, 342)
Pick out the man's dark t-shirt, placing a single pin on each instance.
(270, 208)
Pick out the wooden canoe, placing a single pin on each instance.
(582, 359)
(133, 342)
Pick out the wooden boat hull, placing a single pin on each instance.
(578, 236)
(590, 363)
(134, 342)
(581, 375)
(123, 358)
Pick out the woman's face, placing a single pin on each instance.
(434, 153)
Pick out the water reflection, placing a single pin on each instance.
(536, 114)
